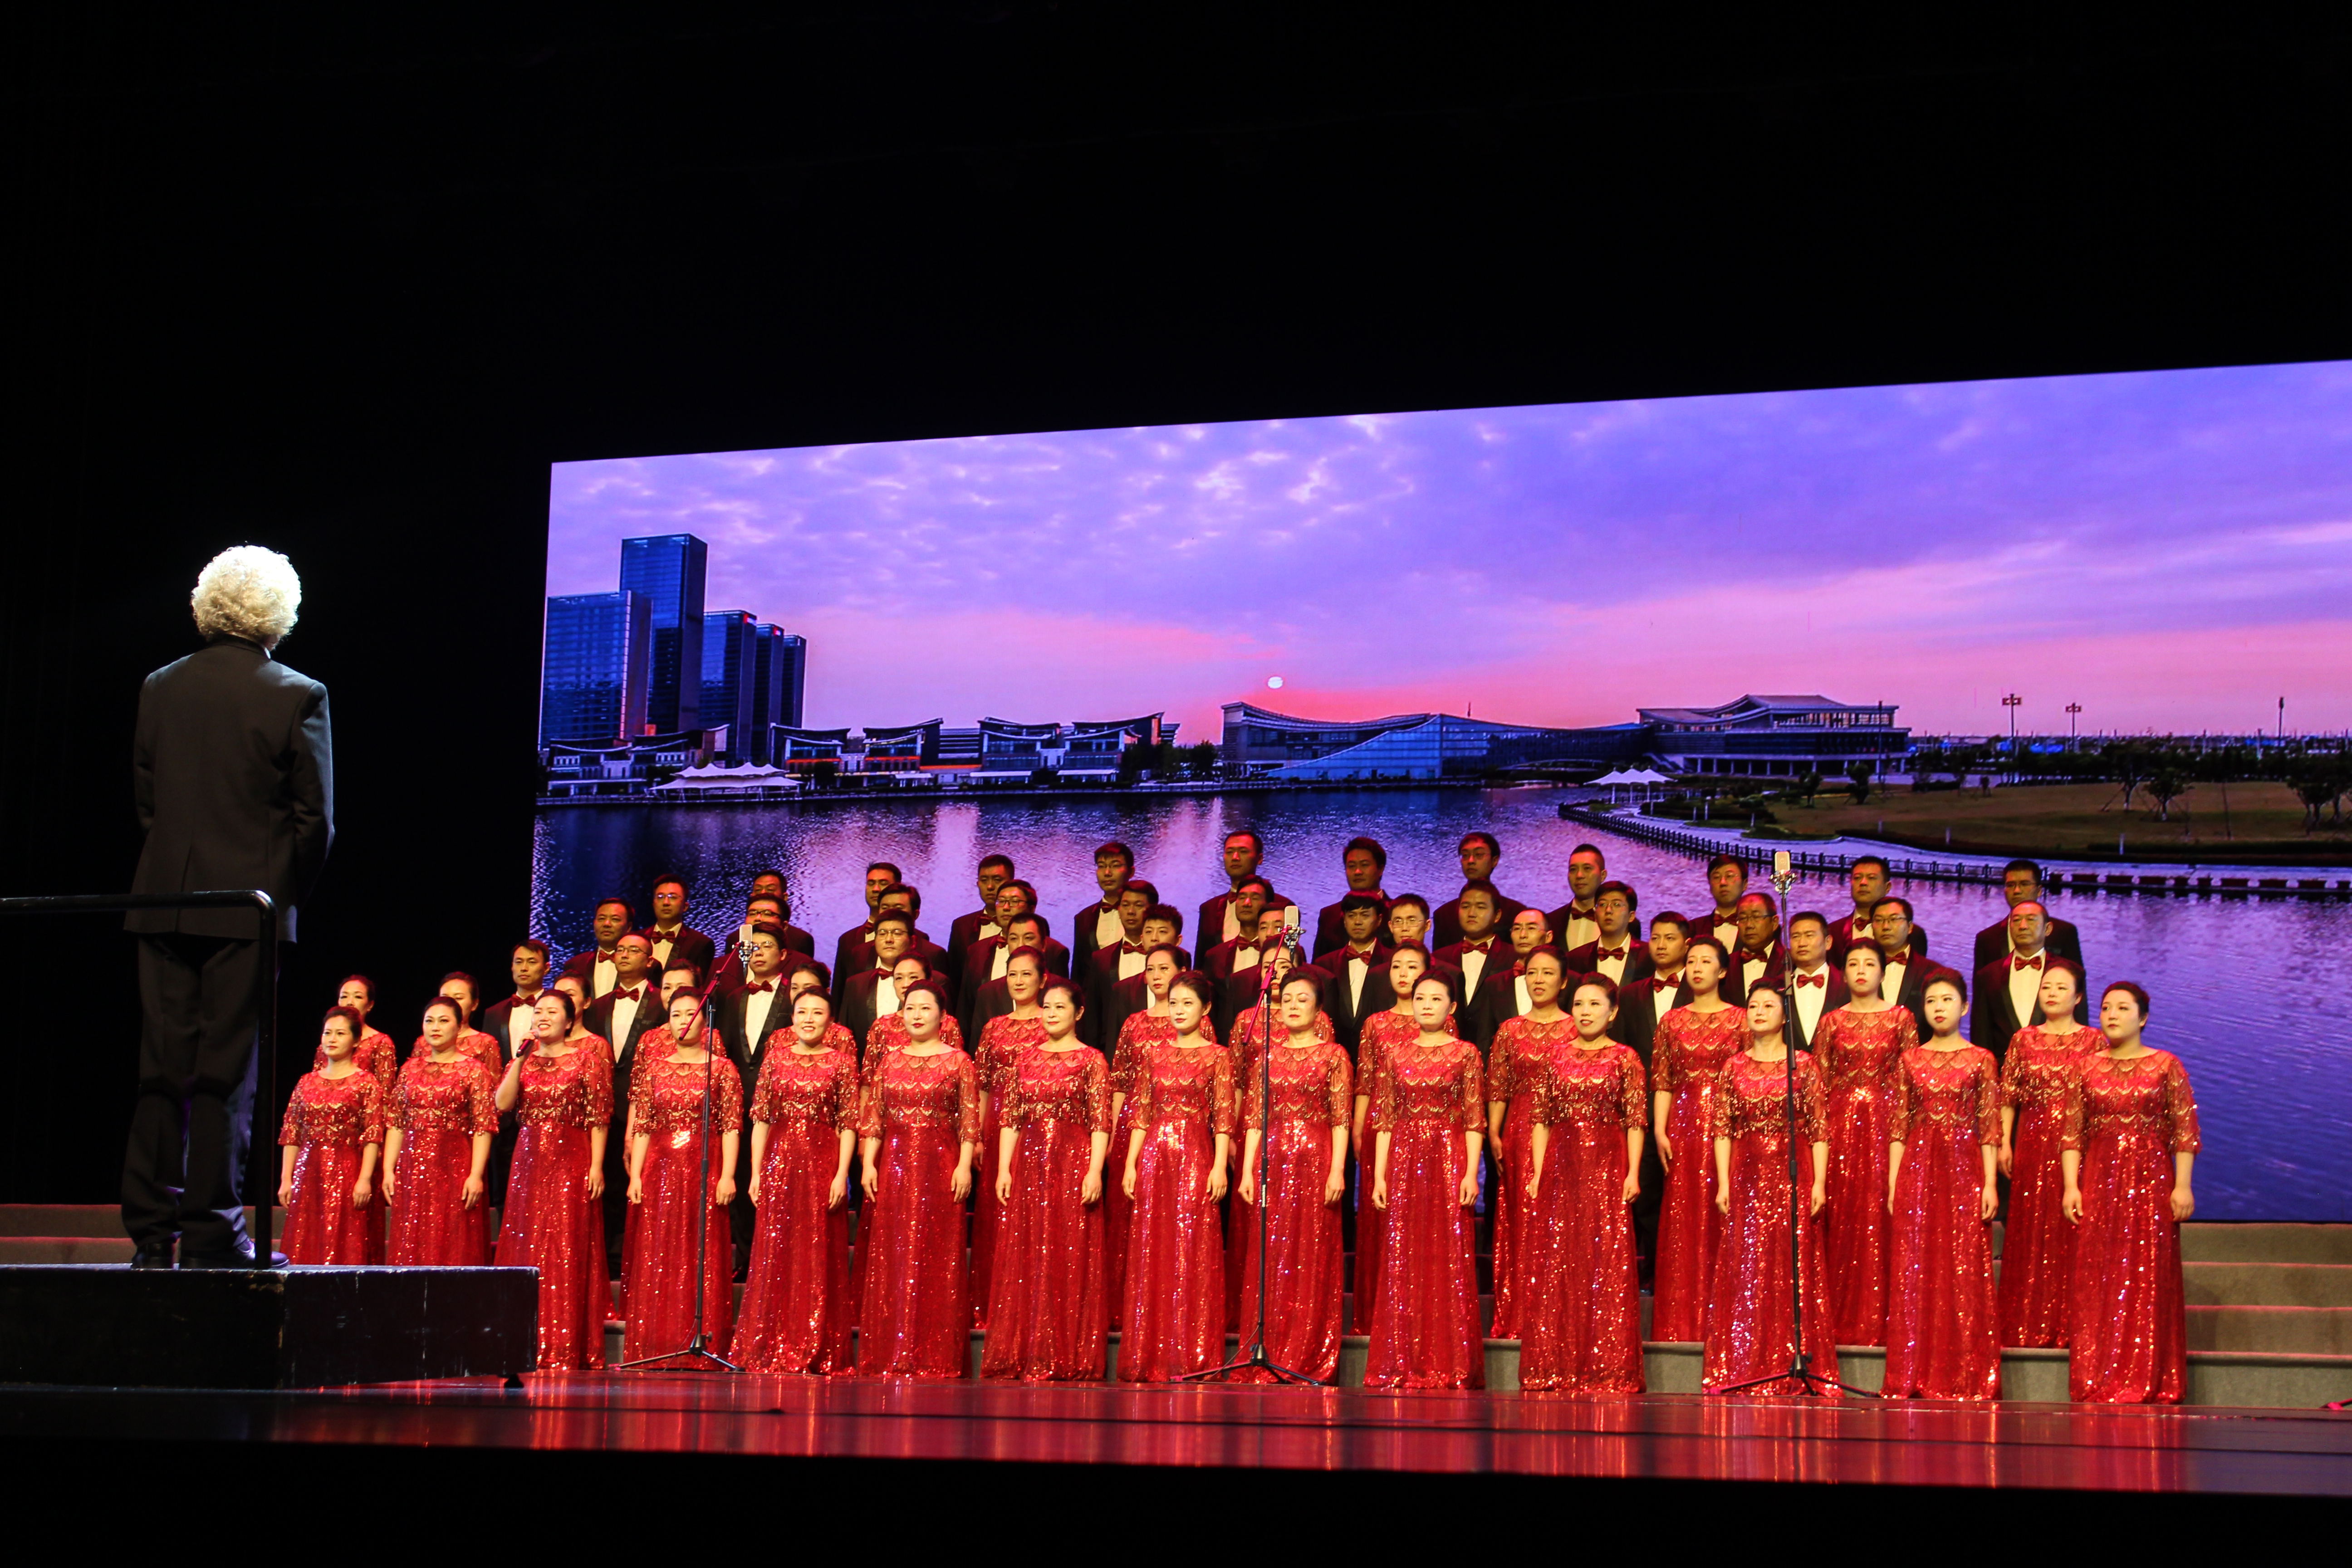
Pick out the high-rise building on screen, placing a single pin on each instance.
(779, 678)
(592, 680)
(668, 570)
(731, 649)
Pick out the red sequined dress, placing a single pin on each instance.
(1943, 1340)
(1686, 1059)
(1314, 1092)
(2129, 1324)
(1048, 1313)
(481, 1047)
(915, 1305)
(1425, 1331)
(1748, 1327)
(438, 1108)
(378, 1055)
(889, 1034)
(2038, 1078)
(798, 1308)
(1174, 1313)
(1515, 1064)
(1858, 1053)
(1243, 1047)
(1137, 1036)
(1383, 1033)
(661, 1297)
(550, 1222)
(1580, 1277)
(1001, 1041)
(329, 1122)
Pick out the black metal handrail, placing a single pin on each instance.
(261, 1191)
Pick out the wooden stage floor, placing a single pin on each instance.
(1658, 1438)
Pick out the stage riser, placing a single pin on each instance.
(298, 1328)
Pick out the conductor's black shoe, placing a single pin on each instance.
(242, 1257)
(152, 1255)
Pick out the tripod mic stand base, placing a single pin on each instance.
(1802, 1373)
(1256, 1360)
(698, 1346)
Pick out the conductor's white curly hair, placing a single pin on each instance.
(249, 592)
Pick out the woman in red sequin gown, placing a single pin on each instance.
(1943, 1340)
(798, 1309)
(1429, 1117)
(333, 1133)
(1859, 1048)
(669, 1203)
(1248, 1036)
(1514, 1069)
(889, 1032)
(1001, 1041)
(1686, 1057)
(436, 1146)
(1131, 1053)
(1303, 1144)
(1748, 1328)
(580, 1034)
(1181, 1105)
(2130, 1143)
(1048, 1316)
(1579, 1276)
(1383, 1033)
(562, 1096)
(2039, 1077)
(378, 1055)
(918, 1133)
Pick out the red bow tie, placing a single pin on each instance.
(1667, 983)
(628, 994)
(605, 955)
(1518, 966)
(1478, 946)
(1610, 953)
(1363, 952)
(762, 985)
(1822, 979)
(528, 998)
(659, 935)
(2024, 963)
(1130, 947)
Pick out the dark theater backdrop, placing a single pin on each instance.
(348, 289)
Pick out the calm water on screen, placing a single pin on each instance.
(2247, 993)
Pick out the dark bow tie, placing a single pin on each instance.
(628, 994)
(1130, 947)
(1478, 946)
(1609, 952)
(762, 985)
(1665, 983)
(1822, 979)
(2024, 963)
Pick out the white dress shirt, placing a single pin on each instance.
(624, 1018)
(1359, 966)
(1581, 928)
(1520, 995)
(1725, 932)
(662, 942)
(1810, 999)
(996, 963)
(1751, 970)
(1614, 968)
(1244, 958)
(519, 1022)
(1107, 928)
(2025, 990)
(757, 1005)
(1130, 964)
(1233, 922)
(600, 976)
(886, 997)
(1891, 986)
(1473, 970)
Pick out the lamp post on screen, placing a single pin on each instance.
(2072, 709)
(2012, 702)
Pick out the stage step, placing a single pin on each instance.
(2267, 1243)
(2274, 1330)
(20, 1249)
(2267, 1284)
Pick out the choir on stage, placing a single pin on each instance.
(1114, 1155)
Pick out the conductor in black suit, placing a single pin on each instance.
(233, 776)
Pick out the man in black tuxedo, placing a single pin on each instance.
(507, 1020)
(1868, 881)
(1503, 991)
(2020, 883)
(1408, 920)
(1250, 899)
(1353, 967)
(1904, 971)
(1479, 852)
(745, 1019)
(592, 966)
(908, 901)
(1816, 986)
(995, 870)
(1759, 959)
(232, 773)
(1096, 926)
(1574, 924)
(1364, 863)
(2005, 996)
(1481, 951)
(1727, 884)
(1643, 1000)
(1221, 919)
(1616, 954)
(987, 995)
(880, 878)
(674, 940)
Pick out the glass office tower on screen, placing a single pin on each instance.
(593, 685)
(668, 570)
(731, 643)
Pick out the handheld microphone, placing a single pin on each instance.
(1779, 862)
(1290, 925)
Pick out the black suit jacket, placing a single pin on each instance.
(1639, 1008)
(233, 776)
(493, 1021)
(962, 933)
(1445, 920)
(1497, 999)
(1081, 941)
(1842, 938)
(1586, 959)
(598, 1020)
(1102, 979)
(732, 1016)
(1348, 1018)
(1838, 996)
(1124, 999)
(1992, 942)
(1734, 988)
(691, 946)
(1991, 1018)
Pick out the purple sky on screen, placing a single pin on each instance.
(2170, 549)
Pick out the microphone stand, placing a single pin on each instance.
(1800, 1368)
(1255, 1357)
(698, 1343)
